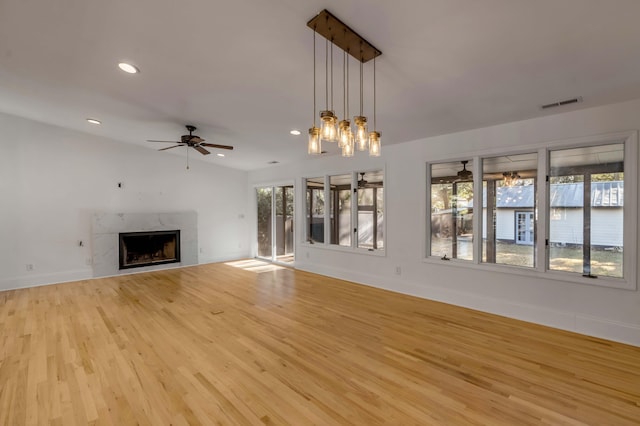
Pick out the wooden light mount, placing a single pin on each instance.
(337, 32)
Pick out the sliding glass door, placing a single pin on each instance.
(275, 223)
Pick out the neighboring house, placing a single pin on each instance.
(515, 214)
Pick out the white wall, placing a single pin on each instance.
(52, 180)
(589, 309)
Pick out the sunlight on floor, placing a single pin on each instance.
(254, 265)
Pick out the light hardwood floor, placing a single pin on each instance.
(216, 344)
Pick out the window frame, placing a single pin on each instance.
(353, 247)
(589, 171)
(543, 214)
(453, 255)
(535, 209)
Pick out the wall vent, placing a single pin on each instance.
(562, 103)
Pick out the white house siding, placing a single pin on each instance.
(565, 226)
(505, 224)
(606, 227)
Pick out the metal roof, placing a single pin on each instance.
(603, 194)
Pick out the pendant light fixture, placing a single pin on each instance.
(331, 129)
(328, 127)
(314, 146)
(360, 121)
(345, 137)
(374, 136)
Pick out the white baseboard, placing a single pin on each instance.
(569, 321)
(36, 280)
(218, 259)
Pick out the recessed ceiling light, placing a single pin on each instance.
(93, 121)
(295, 132)
(131, 69)
(220, 154)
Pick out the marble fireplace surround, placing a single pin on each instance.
(106, 227)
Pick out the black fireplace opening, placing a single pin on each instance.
(149, 248)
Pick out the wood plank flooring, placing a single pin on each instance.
(217, 344)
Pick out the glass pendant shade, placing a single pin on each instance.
(361, 136)
(315, 146)
(344, 133)
(348, 148)
(374, 144)
(328, 129)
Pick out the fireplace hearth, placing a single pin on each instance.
(139, 249)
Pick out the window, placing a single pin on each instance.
(370, 210)
(340, 190)
(264, 200)
(586, 193)
(355, 212)
(315, 210)
(524, 228)
(509, 201)
(275, 223)
(559, 210)
(452, 210)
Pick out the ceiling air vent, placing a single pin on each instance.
(562, 103)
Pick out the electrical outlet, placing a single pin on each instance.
(30, 267)
(398, 270)
(88, 261)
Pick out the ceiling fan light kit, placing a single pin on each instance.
(332, 129)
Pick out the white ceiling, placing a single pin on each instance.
(241, 70)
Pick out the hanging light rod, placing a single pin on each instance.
(337, 32)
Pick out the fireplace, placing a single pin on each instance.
(139, 249)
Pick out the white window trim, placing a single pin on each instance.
(255, 186)
(304, 242)
(541, 270)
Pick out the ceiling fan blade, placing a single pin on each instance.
(164, 149)
(148, 140)
(213, 145)
(201, 150)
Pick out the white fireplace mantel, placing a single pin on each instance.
(106, 227)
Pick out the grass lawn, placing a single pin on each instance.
(603, 262)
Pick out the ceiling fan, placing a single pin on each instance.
(362, 183)
(193, 141)
(464, 174)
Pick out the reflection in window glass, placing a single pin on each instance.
(452, 210)
(586, 198)
(341, 229)
(371, 210)
(509, 204)
(315, 210)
